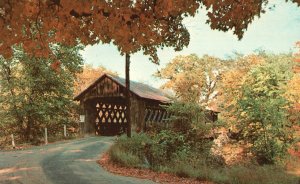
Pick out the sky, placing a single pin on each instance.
(276, 31)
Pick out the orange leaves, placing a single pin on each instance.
(233, 79)
(56, 66)
(131, 25)
(297, 106)
(6, 51)
(164, 7)
(296, 69)
(293, 89)
(31, 8)
(89, 75)
(297, 59)
(233, 15)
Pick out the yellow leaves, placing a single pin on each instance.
(293, 96)
(232, 80)
(297, 59)
(293, 89)
(88, 76)
(243, 114)
(191, 77)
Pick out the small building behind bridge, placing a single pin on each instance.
(103, 104)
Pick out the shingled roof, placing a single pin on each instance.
(137, 88)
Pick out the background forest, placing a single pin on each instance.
(257, 97)
(37, 93)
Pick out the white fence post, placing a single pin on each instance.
(13, 141)
(46, 136)
(81, 124)
(65, 131)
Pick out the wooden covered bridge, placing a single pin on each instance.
(104, 105)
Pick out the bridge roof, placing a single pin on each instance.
(141, 90)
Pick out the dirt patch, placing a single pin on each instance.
(19, 147)
(293, 166)
(25, 146)
(145, 173)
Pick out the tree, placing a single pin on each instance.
(293, 96)
(193, 79)
(262, 109)
(88, 75)
(231, 82)
(141, 25)
(37, 92)
(126, 24)
(293, 88)
(131, 25)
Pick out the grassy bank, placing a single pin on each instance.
(166, 152)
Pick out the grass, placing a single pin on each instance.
(250, 174)
(125, 159)
(268, 174)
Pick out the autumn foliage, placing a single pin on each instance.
(141, 25)
(36, 93)
(193, 79)
(293, 91)
(89, 75)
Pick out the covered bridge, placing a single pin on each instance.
(104, 105)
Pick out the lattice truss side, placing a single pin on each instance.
(156, 115)
(110, 114)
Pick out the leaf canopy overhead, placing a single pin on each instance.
(131, 25)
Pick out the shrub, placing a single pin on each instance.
(171, 152)
(186, 116)
(130, 152)
(136, 144)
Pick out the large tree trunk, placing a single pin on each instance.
(28, 133)
(127, 70)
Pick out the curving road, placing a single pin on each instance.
(72, 162)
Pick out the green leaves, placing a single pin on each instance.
(34, 94)
(193, 79)
(262, 109)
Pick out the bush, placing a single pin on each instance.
(171, 152)
(164, 147)
(130, 152)
(187, 116)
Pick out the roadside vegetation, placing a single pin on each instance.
(259, 114)
(37, 93)
(143, 151)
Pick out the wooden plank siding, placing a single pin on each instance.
(104, 105)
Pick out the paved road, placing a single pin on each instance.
(72, 162)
